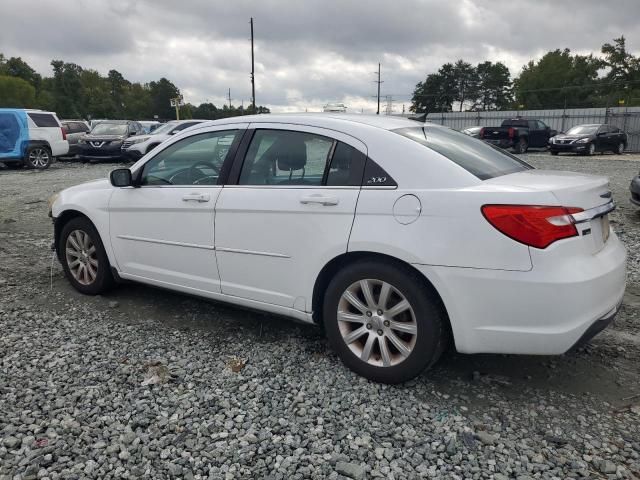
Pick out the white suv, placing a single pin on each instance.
(135, 147)
(31, 138)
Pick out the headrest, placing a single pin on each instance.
(289, 152)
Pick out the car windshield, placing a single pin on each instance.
(164, 129)
(477, 157)
(583, 130)
(110, 129)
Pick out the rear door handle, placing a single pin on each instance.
(196, 197)
(320, 199)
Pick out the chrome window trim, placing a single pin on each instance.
(593, 213)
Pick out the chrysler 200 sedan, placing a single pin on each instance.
(396, 236)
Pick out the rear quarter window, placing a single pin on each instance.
(43, 119)
(475, 156)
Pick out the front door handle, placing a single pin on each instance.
(196, 197)
(320, 199)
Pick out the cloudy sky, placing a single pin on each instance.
(308, 52)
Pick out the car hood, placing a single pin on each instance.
(99, 184)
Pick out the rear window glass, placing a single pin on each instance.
(475, 156)
(515, 123)
(43, 119)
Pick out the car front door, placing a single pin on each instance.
(162, 232)
(289, 212)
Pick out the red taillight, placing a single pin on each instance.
(512, 132)
(64, 133)
(481, 134)
(533, 225)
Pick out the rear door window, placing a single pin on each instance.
(43, 119)
(477, 157)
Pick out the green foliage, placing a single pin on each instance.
(74, 92)
(16, 92)
(486, 86)
(559, 79)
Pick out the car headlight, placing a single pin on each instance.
(115, 142)
(552, 140)
(81, 141)
(50, 201)
(583, 140)
(133, 141)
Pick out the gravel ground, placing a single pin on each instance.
(145, 383)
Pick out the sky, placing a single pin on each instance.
(307, 52)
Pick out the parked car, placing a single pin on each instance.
(75, 129)
(635, 190)
(472, 131)
(30, 138)
(519, 134)
(105, 140)
(589, 139)
(134, 148)
(394, 235)
(149, 126)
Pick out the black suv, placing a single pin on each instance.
(104, 142)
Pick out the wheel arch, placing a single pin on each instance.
(341, 261)
(59, 223)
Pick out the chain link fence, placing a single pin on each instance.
(625, 118)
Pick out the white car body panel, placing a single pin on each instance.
(501, 296)
(51, 135)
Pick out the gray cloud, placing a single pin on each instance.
(307, 52)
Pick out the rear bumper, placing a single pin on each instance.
(545, 311)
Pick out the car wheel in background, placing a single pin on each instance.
(620, 149)
(553, 153)
(83, 257)
(383, 321)
(522, 146)
(591, 149)
(38, 157)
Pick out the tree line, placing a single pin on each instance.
(76, 92)
(559, 79)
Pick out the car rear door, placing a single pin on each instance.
(287, 211)
(162, 232)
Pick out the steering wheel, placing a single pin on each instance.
(194, 169)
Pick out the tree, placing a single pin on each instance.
(16, 93)
(67, 89)
(118, 87)
(494, 86)
(161, 93)
(466, 82)
(558, 79)
(436, 93)
(623, 77)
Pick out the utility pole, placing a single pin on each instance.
(378, 82)
(229, 98)
(253, 77)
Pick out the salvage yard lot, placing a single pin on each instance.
(145, 383)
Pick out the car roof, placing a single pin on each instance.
(326, 119)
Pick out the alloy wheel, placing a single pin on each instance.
(39, 158)
(620, 148)
(377, 322)
(81, 255)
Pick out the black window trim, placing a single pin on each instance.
(233, 179)
(224, 170)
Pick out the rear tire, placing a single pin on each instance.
(553, 153)
(83, 257)
(392, 336)
(522, 146)
(38, 157)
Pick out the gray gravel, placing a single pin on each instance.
(144, 383)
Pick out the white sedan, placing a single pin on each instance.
(397, 236)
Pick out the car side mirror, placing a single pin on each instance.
(121, 177)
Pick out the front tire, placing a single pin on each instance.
(383, 322)
(591, 149)
(620, 149)
(83, 257)
(38, 157)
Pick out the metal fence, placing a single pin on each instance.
(625, 118)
